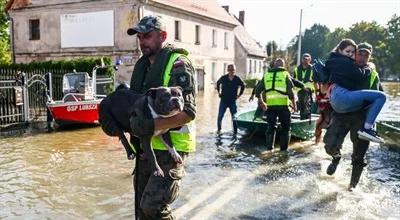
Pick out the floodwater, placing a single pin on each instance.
(83, 174)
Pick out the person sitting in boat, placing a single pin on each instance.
(278, 88)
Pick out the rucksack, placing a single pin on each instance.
(321, 74)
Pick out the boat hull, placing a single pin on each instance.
(82, 112)
(390, 132)
(302, 129)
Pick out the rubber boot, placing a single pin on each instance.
(284, 140)
(332, 167)
(270, 140)
(355, 175)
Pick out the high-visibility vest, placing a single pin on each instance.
(371, 78)
(183, 139)
(305, 76)
(276, 88)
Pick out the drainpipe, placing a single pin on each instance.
(11, 37)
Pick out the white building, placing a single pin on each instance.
(61, 29)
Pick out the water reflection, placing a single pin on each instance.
(82, 173)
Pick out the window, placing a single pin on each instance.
(226, 40)
(177, 30)
(214, 38)
(225, 68)
(213, 66)
(34, 29)
(250, 66)
(197, 34)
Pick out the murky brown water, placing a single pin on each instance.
(83, 174)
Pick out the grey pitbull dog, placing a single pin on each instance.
(116, 109)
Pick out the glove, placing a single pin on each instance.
(140, 125)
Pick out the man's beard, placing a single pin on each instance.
(148, 51)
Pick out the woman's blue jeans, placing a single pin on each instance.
(344, 101)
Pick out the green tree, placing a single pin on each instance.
(393, 45)
(332, 39)
(5, 54)
(376, 35)
(314, 40)
(271, 47)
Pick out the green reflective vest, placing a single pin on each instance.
(305, 76)
(184, 138)
(371, 79)
(276, 88)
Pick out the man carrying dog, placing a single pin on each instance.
(161, 65)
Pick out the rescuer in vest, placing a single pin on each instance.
(278, 88)
(161, 65)
(304, 74)
(343, 123)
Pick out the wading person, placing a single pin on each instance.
(304, 74)
(278, 88)
(161, 65)
(345, 96)
(228, 90)
(343, 123)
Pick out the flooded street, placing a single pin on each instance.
(84, 174)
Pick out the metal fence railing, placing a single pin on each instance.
(23, 96)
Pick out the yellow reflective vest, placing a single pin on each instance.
(305, 76)
(184, 139)
(276, 88)
(371, 79)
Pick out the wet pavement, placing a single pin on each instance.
(83, 174)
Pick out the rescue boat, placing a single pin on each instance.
(80, 103)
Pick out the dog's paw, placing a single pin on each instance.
(131, 157)
(175, 155)
(177, 158)
(158, 172)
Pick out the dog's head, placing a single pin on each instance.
(166, 101)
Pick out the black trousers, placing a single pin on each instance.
(281, 113)
(334, 137)
(304, 103)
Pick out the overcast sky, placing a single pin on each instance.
(279, 20)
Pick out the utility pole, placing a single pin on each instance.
(299, 45)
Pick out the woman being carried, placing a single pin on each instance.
(346, 93)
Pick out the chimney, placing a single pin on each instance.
(226, 7)
(241, 17)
